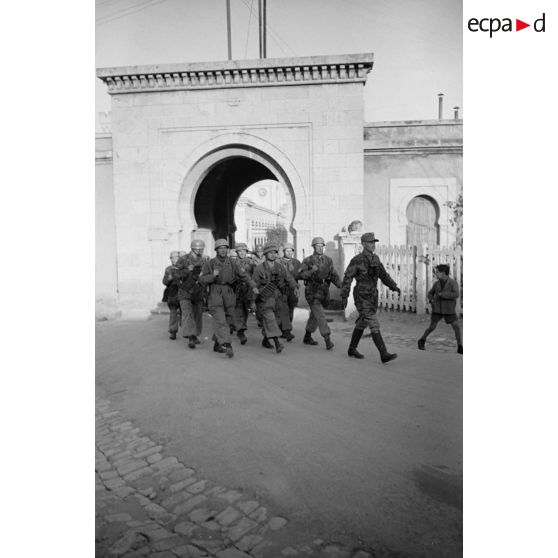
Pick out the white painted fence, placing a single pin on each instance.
(412, 268)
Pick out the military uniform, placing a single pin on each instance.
(222, 298)
(273, 307)
(190, 295)
(292, 265)
(273, 282)
(317, 292)
(170, 296)
(366, 268)
(244, 296)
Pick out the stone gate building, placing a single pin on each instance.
(187, 139)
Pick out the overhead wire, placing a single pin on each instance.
(248, 32)
(273, 34)
(127, 11)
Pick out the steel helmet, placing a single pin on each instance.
(318, 240)
(288, 245)
(270, 247)
(197, 244)
(221, 242)
(241, 246)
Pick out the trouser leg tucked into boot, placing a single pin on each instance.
(308, 339)
(266, 343)
(242, 336)
(278, 346)
(352, 352)
(329, 344)
(381, 346)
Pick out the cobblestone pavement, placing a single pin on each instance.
(151, 504)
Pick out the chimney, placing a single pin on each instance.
(440, 106)
(456, 113)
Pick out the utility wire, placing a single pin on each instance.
(106, 2)
(127, 11)
(248, 32)
(273, 34)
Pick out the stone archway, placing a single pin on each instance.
(220, 170)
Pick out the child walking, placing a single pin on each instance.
(443, 296)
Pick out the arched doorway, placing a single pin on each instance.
(219, 180)
(423, 215)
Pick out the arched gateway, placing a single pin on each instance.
(188, 139)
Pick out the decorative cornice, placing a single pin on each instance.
(315, 70)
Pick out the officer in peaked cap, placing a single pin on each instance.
(191, 292)
(366, 268)
(221, 273)
(318, 273)
(170, 294)
(273, 281)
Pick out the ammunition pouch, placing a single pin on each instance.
(266, 292)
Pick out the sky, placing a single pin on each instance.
(417, 44)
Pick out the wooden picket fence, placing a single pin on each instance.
(412, 268)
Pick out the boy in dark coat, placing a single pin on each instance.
(443, 296)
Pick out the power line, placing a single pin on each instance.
(106, 2)
(273, 34)
(127, 11)
(248, 32)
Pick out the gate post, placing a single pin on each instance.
(420, 284)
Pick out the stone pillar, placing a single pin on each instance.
(349, 247)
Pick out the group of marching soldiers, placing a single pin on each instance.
(268, 285)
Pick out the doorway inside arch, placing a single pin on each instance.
(422, 221)
(242, 200)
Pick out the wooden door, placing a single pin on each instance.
(422, 222)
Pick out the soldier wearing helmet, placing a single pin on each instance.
(318, 273)
(293, 266)
(258, 256)
(221, 273)
(245, 299)
(191, 292)
(366, 268)
(273, 281)
(170, 294)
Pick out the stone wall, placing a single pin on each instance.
(105, 231)
(407, 159)
(167, 133)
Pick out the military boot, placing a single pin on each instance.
(217, 347)
(172, 335)
(278, 346)
(379, 342)
(192, 341)
(460, 349)
(228, 350)
(421, 343)
(329, 344)
(308, 339)
(352, 352)
(242, 336)
(288, 335)
(266, 343)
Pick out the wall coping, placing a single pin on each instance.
(315, 70)
(412, 123)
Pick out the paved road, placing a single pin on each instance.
(356, 453)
